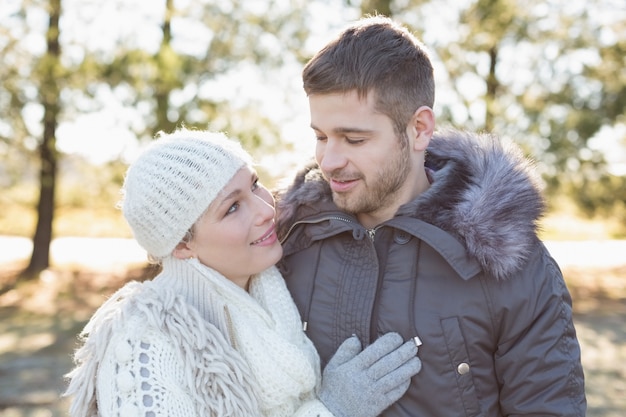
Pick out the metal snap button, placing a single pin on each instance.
(463, 368)
(401, 237)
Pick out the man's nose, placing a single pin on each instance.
(331, 156)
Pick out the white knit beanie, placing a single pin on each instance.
(172, 183)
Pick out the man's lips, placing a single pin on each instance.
(342, 185)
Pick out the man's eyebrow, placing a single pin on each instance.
(346, 129)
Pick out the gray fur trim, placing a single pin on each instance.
(485, 193)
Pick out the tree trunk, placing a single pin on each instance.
(492, 89)
(49, 93)
(163, 84)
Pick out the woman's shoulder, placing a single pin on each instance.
(143, 312)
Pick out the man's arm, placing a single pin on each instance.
(538, 359)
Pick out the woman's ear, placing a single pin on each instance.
(183, 251)
(421, 127)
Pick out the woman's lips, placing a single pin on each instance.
(268, 238)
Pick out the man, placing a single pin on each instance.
(431, 235)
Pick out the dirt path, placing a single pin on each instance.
(602, 336)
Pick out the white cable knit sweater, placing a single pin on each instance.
(192, 343)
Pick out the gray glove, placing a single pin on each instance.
(366, 383)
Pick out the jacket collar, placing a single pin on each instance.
(483, 193)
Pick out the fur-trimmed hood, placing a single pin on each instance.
(483, 192)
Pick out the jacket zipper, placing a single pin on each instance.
(343, 219)
(372, 232)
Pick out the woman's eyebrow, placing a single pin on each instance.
(236, 192)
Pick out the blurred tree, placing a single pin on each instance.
(15, 93)
(546, 86)
(49, 71)
(29, 88)
(185, 81)
(372, 7)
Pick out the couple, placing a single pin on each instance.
(397, 237)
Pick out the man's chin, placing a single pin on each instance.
(343, 202)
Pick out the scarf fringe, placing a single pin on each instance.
(220, 379)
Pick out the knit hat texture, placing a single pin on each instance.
(172, 183)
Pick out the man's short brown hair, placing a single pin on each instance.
(375, 55)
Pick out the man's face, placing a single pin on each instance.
(360, 156)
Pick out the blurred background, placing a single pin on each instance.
(85, 84)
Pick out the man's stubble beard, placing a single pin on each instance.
(380, 192)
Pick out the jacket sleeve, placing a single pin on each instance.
(538, 357)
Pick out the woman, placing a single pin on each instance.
(216, 332)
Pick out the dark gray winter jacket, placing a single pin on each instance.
(461, 267)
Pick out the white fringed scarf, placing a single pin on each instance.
(263, 324)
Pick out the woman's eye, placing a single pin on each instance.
(232, 209)
(255, 185)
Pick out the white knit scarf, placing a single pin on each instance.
(266, 329)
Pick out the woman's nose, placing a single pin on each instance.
(265, 208)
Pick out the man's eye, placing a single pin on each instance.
(354, 141)
(320, 137)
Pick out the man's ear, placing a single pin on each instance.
(421, 127)
(183, 251)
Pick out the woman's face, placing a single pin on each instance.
(236, 236)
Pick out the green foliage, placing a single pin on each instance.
(373, 7)
(84, 185)
(174, 86)
(604, 197)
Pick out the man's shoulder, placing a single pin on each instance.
(486, 194)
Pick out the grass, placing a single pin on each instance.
(19, 220)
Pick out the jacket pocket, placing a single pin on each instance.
(461, 365)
